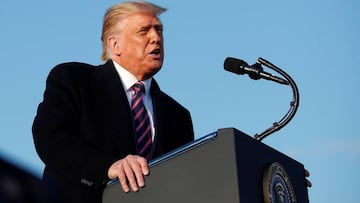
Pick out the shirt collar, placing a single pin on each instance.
(128, 79)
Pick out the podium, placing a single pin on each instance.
(227, 166)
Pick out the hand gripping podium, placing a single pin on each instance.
(227, 166)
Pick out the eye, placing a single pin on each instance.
(159, 29)
(143, 30)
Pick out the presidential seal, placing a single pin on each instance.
(277, 187)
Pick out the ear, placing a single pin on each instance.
(114, 45)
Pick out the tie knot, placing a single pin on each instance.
(138, 87)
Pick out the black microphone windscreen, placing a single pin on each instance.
(235, 65)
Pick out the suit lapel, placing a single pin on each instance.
(112, 102)
(160, 119)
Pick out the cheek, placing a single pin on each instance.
(133, 53)
(134, 47)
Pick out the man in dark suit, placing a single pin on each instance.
(84, 130)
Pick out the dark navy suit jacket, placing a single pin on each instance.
(84, 124)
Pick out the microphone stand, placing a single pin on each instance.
(294, 104)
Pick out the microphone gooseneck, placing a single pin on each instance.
(256, 72)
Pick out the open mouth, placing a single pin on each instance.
(155, 52)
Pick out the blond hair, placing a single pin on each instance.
(118, 12)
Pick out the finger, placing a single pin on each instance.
(140, 169)
(144, 166)
(120, 174)
(123, 182)
(111, 171)
(308, 183)
(139, 177)
(129, 172)
(307, 173)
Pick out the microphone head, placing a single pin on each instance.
(235, 65)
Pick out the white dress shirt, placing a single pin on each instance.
(128, 80)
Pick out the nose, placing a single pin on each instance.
(156, 36)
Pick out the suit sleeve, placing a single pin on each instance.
(57, 135)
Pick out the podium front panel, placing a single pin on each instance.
(228, 168)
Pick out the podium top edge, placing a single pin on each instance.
(183, 149)
(176, 152)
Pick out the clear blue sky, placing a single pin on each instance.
(316, 42)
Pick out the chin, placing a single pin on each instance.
(153, 71)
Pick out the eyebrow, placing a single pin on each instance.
(142, 25)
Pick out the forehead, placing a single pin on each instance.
(141, 19)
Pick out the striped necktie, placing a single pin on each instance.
(141, 121)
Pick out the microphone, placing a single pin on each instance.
(255, 71)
